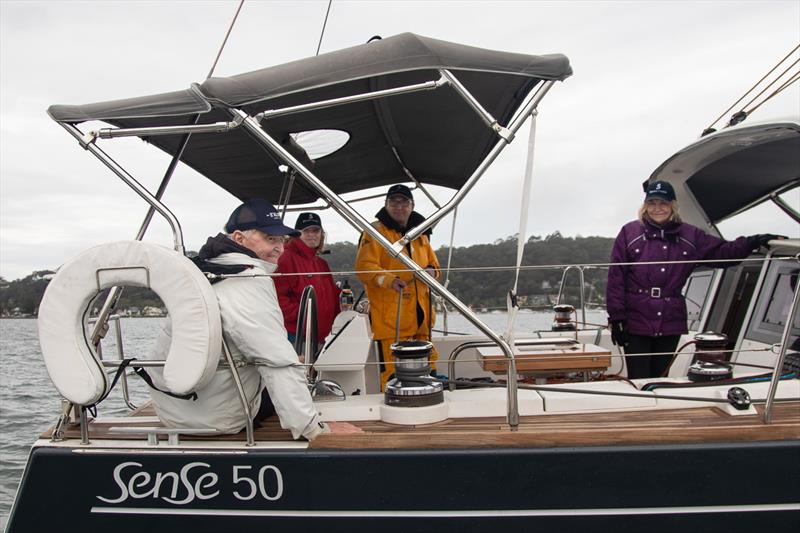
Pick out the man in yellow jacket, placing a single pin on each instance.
(386, 278)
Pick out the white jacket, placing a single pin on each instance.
(252, 324)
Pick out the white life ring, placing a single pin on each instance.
(69, 356)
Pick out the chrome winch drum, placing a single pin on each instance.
(563, 319)
(413, 386)
(710, 362)
(712, 345)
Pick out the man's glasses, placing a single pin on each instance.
(400, 202)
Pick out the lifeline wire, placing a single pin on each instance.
(505, 268)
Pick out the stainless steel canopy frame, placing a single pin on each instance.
(252, 124)
(505, 135)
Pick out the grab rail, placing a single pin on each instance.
(306, 329)
(451, 361)
(776, 374)
(582, 282)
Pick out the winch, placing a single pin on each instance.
(563, 320)
(413, 386)
(710, 362)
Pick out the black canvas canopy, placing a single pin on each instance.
(738, 168)
(433, 134)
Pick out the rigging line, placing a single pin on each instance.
(324, 24)
(754, 86)
(770, 84)
(225, 40)
(778, 90)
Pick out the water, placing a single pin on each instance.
(29, 404)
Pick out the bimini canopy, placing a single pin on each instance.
(434, 135)
(733, 170)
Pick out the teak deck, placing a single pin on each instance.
(697, 425)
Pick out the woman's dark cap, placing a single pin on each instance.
(307, 220)
(661, 190)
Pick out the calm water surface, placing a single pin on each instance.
(29, 404)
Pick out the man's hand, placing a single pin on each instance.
(398, 284)
(619, 334)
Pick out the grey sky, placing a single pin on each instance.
(649, 76)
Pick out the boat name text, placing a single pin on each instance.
(194, 481)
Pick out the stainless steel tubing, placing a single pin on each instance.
(785, 207)
(341, 207)
(116, 292)
(216, 127)
(155, 204)
(309, 349)
(476, 106)
(126, 397)
(137, 187)
(451, 361)
(84, 425)
(470, 183)
(776, 373)
(248, 416)
(425, 86)
(582, 286)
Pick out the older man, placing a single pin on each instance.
(252, 325)
(386, 278)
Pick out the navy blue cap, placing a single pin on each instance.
(259, 214)
(661, 190)
(307, 220)
(402, 190)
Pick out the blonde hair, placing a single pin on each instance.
(675, 216)
(321, 246)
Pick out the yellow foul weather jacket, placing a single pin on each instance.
(376, 266)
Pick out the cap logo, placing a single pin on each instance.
(658, 186)
(273, 214)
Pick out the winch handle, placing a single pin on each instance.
(397, 320)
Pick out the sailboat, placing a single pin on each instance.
(699, 452)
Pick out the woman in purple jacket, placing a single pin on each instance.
(646, 310)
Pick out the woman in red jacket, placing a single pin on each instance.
(301, 255)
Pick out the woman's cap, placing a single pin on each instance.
(307, 220)
(259, 214)
(661, 190)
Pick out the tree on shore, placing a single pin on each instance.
(482, 273)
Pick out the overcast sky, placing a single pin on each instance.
(649, 77)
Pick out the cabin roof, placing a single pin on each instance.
(734, 169)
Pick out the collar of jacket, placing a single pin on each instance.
(669, 231)
(301, 248)
(237, 258)
(221, 244)
(414, 220)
